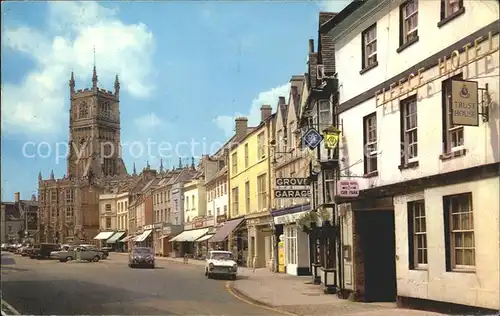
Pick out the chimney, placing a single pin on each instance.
(311, 46)
(266, 111)
(241, 127)
(281, 101)
(294, 90)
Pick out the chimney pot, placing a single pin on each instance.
(281, 100)
(265, 111)
(241, 126)
(311, 46)
(17, 196)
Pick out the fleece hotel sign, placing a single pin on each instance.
(473, 52)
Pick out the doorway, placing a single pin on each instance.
(376, 255)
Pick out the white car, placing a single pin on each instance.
(221, 263)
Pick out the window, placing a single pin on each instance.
(417, 234)
(409, 21)
(246, 155)
(329, 186)
(291, 245)
(369, 52)
(370, 142)
(235, 198)
(291, 142)
(193, 203)
(459, 230)
(450, 7)
(261, 146)
(218, 211)
(187, 204)
(247, 197)
(234, 162)
(84, 110)
(409, 129)
(325, 118)
(262, 191)
(225, 210)
(107, 208)
(225, 188)
(453, 135)
(108, 222)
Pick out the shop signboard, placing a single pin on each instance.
(347, 188)
(285, 182)
(292, 193)
(464, 103)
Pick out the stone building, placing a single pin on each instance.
(69, 206)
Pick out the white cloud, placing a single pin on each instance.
(147, 121)
(270, 97)
(37, 105)
(333, 5)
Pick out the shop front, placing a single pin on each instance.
(292, 246)
(102, 237)
(125, 243)
(260, 228)
(162, 235)
(185, 243)
(146, 238)
(228, 236)
(113, 241)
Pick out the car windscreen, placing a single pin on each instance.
(142, 251)
(222, 256)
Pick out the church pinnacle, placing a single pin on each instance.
(94, 74)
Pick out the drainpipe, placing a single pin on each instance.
(269, 199)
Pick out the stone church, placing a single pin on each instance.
(69, 207)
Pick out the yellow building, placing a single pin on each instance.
(250, 194)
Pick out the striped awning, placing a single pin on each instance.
(115, 238)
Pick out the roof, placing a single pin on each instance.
(270, 118)
(221, 172)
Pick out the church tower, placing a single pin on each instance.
(94, 131)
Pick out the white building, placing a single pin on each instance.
(195, 202)
(217, 197)
(122, 219)
(429, 190)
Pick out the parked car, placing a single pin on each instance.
(79, 253)
(43, 252)
(33, 251)
(22, 250)
(221, 263)
(55, 254)
(4, 247)
(104, 251)
(141, 256)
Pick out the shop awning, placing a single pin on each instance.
(115, 238)
(226, 229)
(204, 238)
(103, 235)
(143, 236)
(190, 235)
(127, 238)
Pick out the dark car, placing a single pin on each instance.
(33, 251)
(141, 256)
(43, 252)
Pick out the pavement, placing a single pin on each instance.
(110, 287)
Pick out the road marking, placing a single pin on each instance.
(229, 288)
(10, 308)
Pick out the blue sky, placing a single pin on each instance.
(186, 70)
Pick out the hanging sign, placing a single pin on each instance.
(331, 137)
(347, 188)
(464, 103)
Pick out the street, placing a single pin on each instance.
(43, 287)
